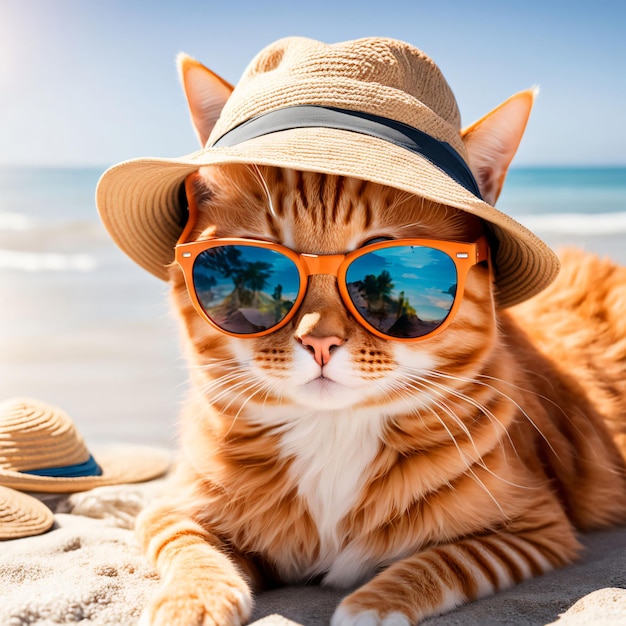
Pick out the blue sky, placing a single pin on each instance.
(93, 82)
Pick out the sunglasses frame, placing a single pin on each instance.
(464, 256)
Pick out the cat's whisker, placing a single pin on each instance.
(229, 365)
(257, 173)
(421, 385)
(472, 402)
(482, 409)
(249, 387)
(272, 388)
(231, 373)
(441, 391)
(240, 387)
(522, 411)
(227, 383)
(448, 411)
(387, 388)
(212, 362)
(506, 397)
(224, 382)
(257, 388)
(468, 461)
(545, 398)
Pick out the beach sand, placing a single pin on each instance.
(109, 354)
(89, 569)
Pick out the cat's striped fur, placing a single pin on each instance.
(431, 473)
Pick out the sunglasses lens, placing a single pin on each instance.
(245, 289)
(403, 291)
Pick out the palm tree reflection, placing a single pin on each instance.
(387, 310)
(247, 307)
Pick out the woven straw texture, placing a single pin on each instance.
(35, 435)
(138, 200)
(22, 515)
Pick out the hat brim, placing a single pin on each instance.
(22, 515)
(139, 203)
(119, 464)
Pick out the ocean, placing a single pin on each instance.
(84, 328)
(81, 326)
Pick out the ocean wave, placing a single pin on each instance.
(45, 244)
(46, 261)
(583, 224)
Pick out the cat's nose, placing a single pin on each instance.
(321, 347)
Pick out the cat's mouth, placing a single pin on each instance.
(322, 384)
(326, 394)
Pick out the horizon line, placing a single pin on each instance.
(515, 166)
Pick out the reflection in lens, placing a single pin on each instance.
(403, 291)
(245, 289)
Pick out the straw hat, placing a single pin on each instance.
(374, 109)
(41, 450)
(22, 515)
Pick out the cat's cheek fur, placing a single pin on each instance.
(344, 385)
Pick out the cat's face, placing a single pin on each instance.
(322, 214)
(274, 375)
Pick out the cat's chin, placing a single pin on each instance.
(327, 394)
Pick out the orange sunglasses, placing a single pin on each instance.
(402, 289)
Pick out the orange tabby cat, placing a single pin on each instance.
(431, 473)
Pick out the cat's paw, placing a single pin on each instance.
(344, 616)
(198, 605)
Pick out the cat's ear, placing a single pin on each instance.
(493, 140)
(206, 94)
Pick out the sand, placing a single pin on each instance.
(89, 569)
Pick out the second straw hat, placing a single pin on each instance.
(22, 515)
(41, 450)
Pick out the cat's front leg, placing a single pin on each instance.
(202, 585)
(442, 578)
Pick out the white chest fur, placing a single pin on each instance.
(332, 454)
